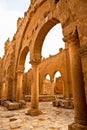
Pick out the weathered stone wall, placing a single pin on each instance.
(22, 40)
(41, 16)
(51, 65)
(28, 79)
(59, 86)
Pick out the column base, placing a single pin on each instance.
(75, 126)
(33, 112)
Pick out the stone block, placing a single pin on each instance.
(13, 106)
(2, 102)
(6, 103)
(68, 104)
(22, 104)
(64, 103)
(75, 126)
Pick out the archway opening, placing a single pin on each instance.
(57, 75)
(58, 84)
(53, 41)
(46, 85)
(24, 67)
(27, 65)
(27, 78)
(47, 77)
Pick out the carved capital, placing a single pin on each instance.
(72, 37)
(35, 61)
(20, 69)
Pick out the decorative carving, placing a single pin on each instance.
(72, 37)
(35, 61)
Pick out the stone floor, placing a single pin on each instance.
(53, 118)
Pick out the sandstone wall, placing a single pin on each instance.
(31, 33)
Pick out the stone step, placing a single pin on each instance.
(42, 98)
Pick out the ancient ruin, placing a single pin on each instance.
(71, 62)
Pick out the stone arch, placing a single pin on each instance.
(68, 22)
(40, 38)
(22, 56)
(46, 84)
(47, 76)
(20, 72)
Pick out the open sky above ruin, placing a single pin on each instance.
(9, 13)
(10, 10)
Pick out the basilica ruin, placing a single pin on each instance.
(71, 62)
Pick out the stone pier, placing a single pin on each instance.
(80, 106)
(19, 89)
(34, 111)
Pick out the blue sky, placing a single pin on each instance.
(10, 10)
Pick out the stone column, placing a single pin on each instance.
(67, 78)
(4, 90)
(14, 90)
(52, 87)
(83, 52)
(34, 111)
(43, 88)
(19, 88)
(80, 107)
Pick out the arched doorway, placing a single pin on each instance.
(53, 41)
(21, 82)
(36, 59)
(58, 83)
(27, 79)
(46, 85)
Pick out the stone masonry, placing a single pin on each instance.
(40, 17)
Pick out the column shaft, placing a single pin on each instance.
(34, 111)
(35, 88)
(19, 90)
(78, 85)
(52, 87)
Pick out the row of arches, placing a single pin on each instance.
(53, 41)
(54, 86)
(48, 14)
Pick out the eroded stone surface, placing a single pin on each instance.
(52, 118)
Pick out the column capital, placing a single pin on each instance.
(71, 38)
(35, 61)
(20, 69)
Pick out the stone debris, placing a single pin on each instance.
(52, 118)
(63, 102)
(13, 105)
